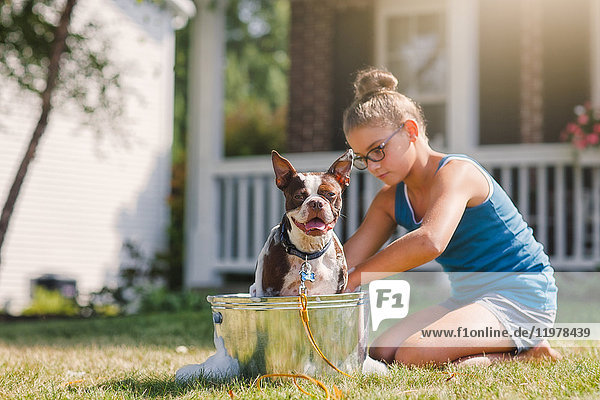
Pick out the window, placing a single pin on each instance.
(411, 42)
(534, 67)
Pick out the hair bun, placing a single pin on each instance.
(371, 81)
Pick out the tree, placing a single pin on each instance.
(37, 44)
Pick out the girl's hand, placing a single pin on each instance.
(353, 281)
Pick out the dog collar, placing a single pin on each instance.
(291, 249)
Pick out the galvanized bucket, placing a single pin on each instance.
(266, 334)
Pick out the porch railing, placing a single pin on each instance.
(556, 191)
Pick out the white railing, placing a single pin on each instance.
(557, 193)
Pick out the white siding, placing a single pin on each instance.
(84, 196)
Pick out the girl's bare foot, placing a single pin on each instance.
(542, 350)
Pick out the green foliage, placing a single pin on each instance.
(144, 300)
(172, 259)
(254, 129)
(108, 302)
(163, 300)
(142, 289)
(256, 83)
(51, 302)
(180, 127)
(88, 79)
(138, 274)
(106, 310)
(257, 52)
(139, 269)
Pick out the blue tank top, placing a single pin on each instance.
(492, 249)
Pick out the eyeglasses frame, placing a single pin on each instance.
(380, 147)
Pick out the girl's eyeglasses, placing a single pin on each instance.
(375, 154)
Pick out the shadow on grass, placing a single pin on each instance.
(161, 388)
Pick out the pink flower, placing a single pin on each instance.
(584, 131)
(593, 139)
(580, 144)
(572, 127)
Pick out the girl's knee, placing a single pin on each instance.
(385, 354)
(419, 356)
(410, 356)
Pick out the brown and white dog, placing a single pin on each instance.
(304, 249)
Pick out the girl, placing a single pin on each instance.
(457, 214)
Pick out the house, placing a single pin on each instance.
(84, 196)
(497, 80)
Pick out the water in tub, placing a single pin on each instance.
(218, 366)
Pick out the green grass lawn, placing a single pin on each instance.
(135, 358)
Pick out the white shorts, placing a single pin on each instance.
(512, 315)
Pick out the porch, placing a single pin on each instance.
(556, 191)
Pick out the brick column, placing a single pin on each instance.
(532, 69)
(310, 118)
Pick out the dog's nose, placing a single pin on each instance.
(315, 204)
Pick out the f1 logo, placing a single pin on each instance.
(389, 300)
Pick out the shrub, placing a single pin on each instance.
(252, 128)
(51, 302)
(160, 300)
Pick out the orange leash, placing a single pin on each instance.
(296, 376)
(337, 393)
(311, 338)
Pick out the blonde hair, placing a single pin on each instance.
(378, 104)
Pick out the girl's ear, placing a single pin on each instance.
(413, 130)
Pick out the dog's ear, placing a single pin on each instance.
(284, 171)
(341, 168)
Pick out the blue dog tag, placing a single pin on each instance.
(307, 276)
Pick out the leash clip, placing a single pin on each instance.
(306, 274)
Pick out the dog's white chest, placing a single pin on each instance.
(326, 270)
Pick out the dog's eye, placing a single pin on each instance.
(331, 195)
(299, 197)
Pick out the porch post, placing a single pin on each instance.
(204, 142)
(595, 52)
(463, 80)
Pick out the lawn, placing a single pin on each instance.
(136, 357)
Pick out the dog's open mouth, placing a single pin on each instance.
(315, 226)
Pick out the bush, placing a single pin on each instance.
(51, 302)
(252, 128)
(160, 300)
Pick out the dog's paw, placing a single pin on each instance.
(371, 366)
(256, 290)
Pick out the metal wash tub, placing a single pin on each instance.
(266, 334)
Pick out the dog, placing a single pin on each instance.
(303, 253)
